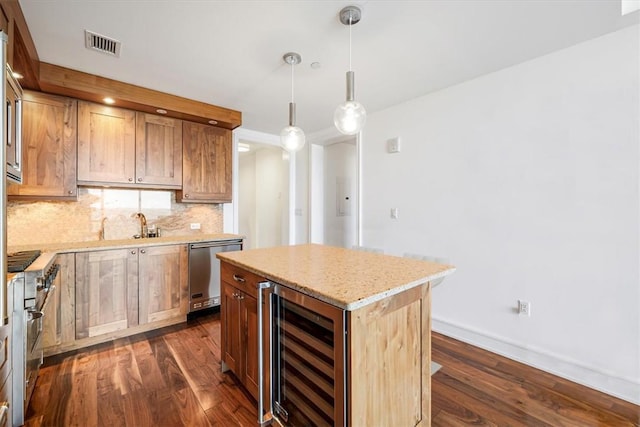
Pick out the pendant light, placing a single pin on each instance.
(350, 116)
(292, 137)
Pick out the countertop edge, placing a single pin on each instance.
(352, 306)
(101, 245)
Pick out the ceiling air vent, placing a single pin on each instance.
(101, 43)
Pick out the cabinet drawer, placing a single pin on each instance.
(241, 278)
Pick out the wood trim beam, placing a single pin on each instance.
(67, 82)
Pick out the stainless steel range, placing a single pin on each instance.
(39, 271)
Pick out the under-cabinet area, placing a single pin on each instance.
(337, 345)
(68, 143)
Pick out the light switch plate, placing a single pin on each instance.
(393, 145)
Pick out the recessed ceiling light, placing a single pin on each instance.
(213, 122)
(243, 148)
(17, 75)
(109, 100)
(161, 111)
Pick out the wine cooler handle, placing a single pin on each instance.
(262, 419)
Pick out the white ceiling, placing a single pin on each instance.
(229, 53)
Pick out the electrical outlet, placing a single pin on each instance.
(195, 226)
(524, 308)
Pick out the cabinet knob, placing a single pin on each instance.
(186, 196)
(130, 179)
(139, 179)
(133, 252)
(142, 251)
(70, 192)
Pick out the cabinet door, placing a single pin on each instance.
(49, 139)
(106, 291)
(60, 325)
(206, 164)
(249, 315)
(163, 282)
(106, 144)
(158, 150)
(230, 319)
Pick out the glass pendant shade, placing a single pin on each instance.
(292, 137)
(350, 116)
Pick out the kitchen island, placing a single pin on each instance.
(351, 333)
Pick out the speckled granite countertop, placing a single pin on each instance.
(125, 243)
(345, 278)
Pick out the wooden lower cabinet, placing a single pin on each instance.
(59, 325)
(106, 294)
(106, 291)
(239, 314)
(162, 283)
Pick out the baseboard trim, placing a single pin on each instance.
(619, 387)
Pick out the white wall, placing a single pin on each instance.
(340, 214)
(247, 198)
(527, 179)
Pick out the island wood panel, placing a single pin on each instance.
(49, 141)
(59, 326)
(390, 359)
(163, 282)
(106, 144)
(206, 167)
(106, 291)
(158, 150)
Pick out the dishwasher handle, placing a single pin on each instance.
(205, 245)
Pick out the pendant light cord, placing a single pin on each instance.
(350, 25)
(292, 66)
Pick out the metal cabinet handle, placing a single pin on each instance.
(133, 252)
(70, 192)
(239, 278)
(33, 314)
(130, 179)
(186, 196)
(139, 179)
(142, 251)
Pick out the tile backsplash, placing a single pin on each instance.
(107, 210)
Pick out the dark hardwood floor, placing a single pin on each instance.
(171, 377)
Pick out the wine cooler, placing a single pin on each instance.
(308, 360)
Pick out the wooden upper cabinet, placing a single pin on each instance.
(49, 135)
(163, 283)
(206, 164)
(158, 150)
(106, 144)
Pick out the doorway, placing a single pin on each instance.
(334, 192)
(263, 195)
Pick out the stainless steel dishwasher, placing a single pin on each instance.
(204, 272)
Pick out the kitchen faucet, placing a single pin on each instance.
(143, 224)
